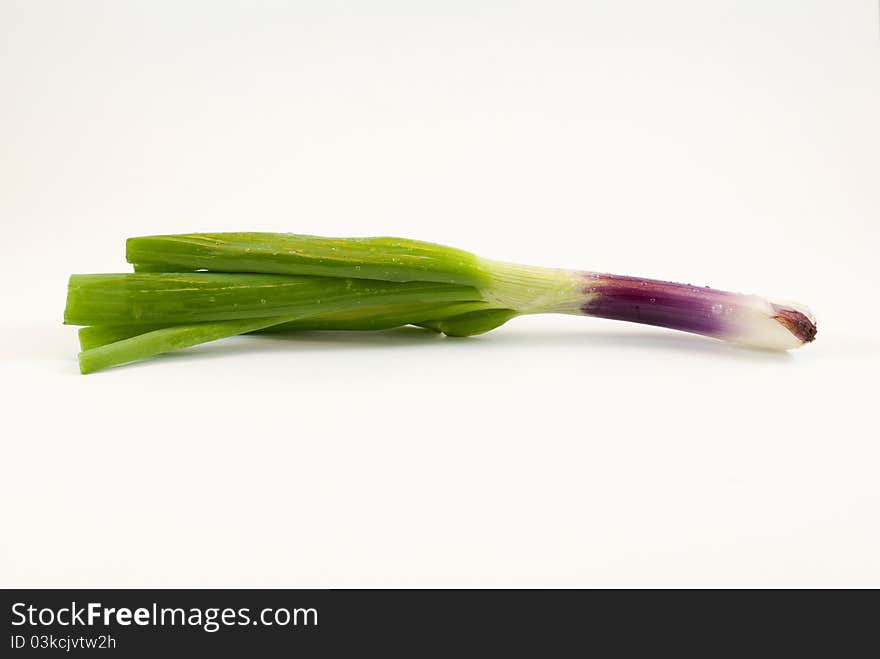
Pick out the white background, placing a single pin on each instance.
(726, 143)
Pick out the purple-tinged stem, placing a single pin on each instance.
(746, 319)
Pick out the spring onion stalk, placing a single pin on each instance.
(386, 259)
(173, 298)
(94, 336)
(159, 341)
(188, 289)
(362, 319)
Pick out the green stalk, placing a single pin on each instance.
(378, 318)
(167, 339)
(95, 336)
(175, 298)
(387, 259)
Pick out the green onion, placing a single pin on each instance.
(188, 289)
